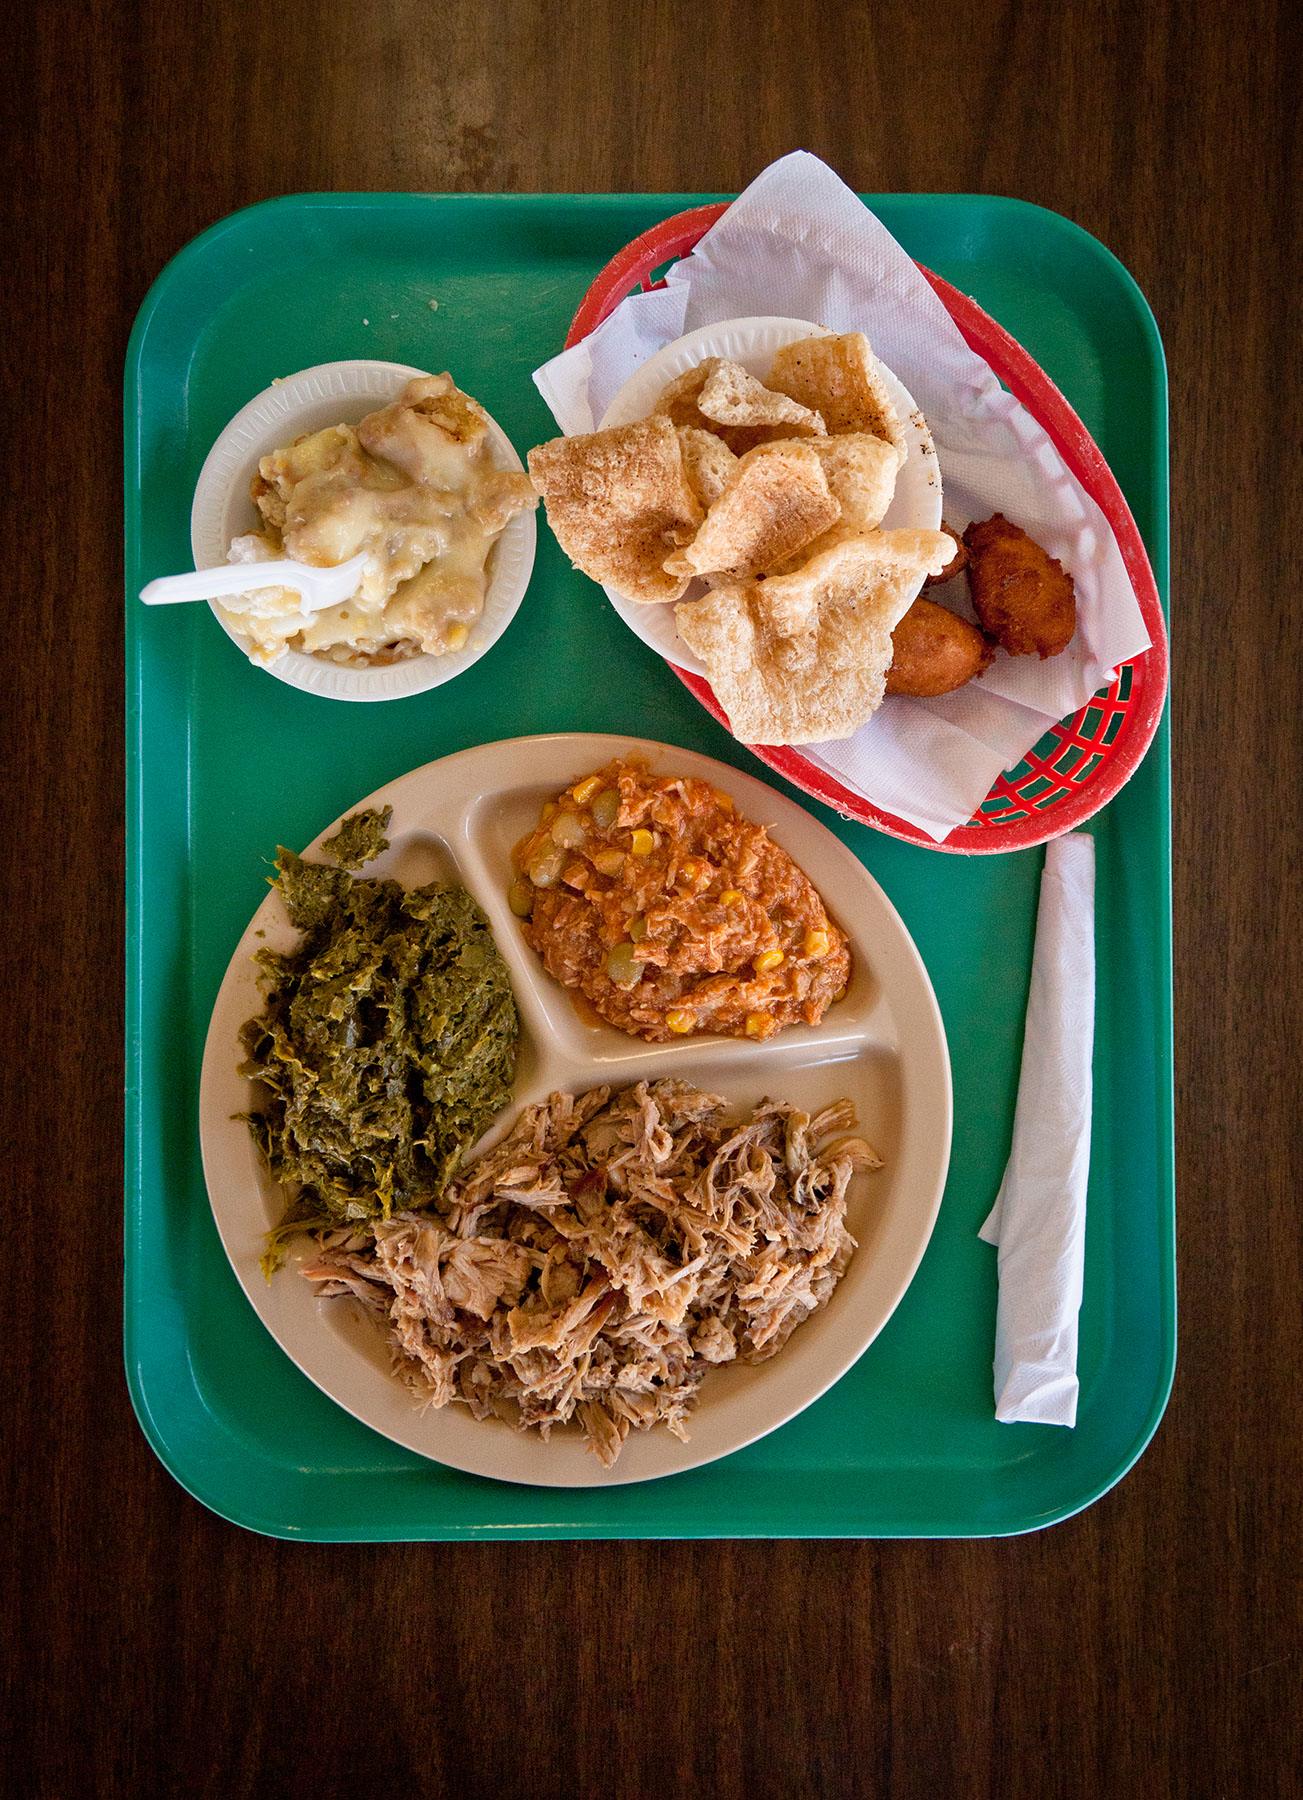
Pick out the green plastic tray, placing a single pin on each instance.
(224, 762)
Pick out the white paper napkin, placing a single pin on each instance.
(1039, 1217)
(799, 244)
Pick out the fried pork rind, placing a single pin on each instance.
(618, 501)
(708, 463)
(719, 396)
(861, 471)
(803, 658)
(678, 399)
(734, 399)
(777, 501)
(861, 474)
(839, 378)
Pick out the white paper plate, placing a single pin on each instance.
(752, 342)
(343, 393)
(883, 1046)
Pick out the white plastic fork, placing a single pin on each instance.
(317, 588)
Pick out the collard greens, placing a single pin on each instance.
(388, 1041)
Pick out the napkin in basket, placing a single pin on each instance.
(799, 244)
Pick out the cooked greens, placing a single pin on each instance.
(388, 1040)
(360, 839)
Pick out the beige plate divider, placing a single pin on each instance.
(883, 1046)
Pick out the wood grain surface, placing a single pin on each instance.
(1152, 1646)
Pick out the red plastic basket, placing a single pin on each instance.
(1079, 764)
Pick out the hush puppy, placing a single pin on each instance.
(1023, 597)
(934, 652)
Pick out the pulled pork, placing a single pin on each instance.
(601, 1258)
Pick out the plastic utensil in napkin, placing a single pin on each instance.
(1039, 1217)
(798, 243)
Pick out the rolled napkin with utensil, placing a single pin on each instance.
(1039, 1217)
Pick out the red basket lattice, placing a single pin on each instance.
(1079, 764)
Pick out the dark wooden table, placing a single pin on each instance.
(1151, 1646)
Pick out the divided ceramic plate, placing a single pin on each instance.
(752, 342)
(883, 1046)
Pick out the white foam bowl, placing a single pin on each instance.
(916, 502)
(343, 393)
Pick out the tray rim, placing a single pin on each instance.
(169, 1447)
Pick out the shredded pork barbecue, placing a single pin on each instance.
(597, 1262)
